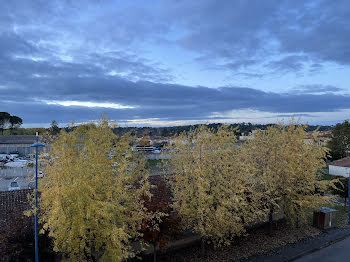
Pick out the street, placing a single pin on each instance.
(338, 252)
(22, 176)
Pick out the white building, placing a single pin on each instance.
(16, 144)
(340, 167)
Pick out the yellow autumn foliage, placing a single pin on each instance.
(90, 196)
(285, 170)
(210, 184)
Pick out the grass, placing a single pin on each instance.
(341, 215)
(155, 162)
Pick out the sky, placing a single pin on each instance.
(165, 63)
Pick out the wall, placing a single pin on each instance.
(23, 149)
(158, 156)
(16, 172)
(339, 171)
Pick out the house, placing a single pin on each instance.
(340, 167)
(20, 145)
(250, 136)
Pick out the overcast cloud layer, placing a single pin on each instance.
(175, 62)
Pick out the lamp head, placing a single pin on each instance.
(37, 145)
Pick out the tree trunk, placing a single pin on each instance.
(154, 253)
(297, 221)
(345, 202)
(270, 222)
(202, 248)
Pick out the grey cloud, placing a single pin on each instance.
(231, 30)
(317, 88)
(293, 63)
(224, 33)
(17, 63)
(100, 58)
(38, 81)
(153, 100)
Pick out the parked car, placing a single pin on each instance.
(31, 185)
(40, 173)
(14, 186)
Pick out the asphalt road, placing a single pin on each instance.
(338, 252)
(22, 178)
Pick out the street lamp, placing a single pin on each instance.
(36, 145)
(348, 198)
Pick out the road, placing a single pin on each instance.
(338, 252)
(22, 177)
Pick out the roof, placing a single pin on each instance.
(17, 139)
(13, 200)
(344, 162)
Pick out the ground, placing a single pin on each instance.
(337, 252)
(257, 241)
(258, 245)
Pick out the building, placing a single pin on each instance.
(17, 144)
(340, 167)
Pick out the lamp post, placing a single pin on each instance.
(348, 198)
(36, 145)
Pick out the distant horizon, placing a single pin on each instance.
(63, 125)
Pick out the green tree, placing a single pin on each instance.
(342, 188)
(91, 194)
(14, 122)
(54, 129)
(4, 119)
(339, 144)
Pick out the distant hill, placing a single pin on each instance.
(243, 128)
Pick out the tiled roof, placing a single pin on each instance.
(344, 162)
(13, 200)
(17, 139)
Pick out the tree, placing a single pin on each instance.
(14, 122)
(342, 188)
(210, 185)
(285, 171)
(339, 144)
(54, 129)
(160, 225)
(91, 194)
(143, 142)
(4, 119)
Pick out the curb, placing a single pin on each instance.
(319, 248)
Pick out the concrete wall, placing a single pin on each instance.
(16, 171)
(158, 156)
(23, 149)
(339, 171)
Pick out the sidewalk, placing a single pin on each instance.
(302, 248)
